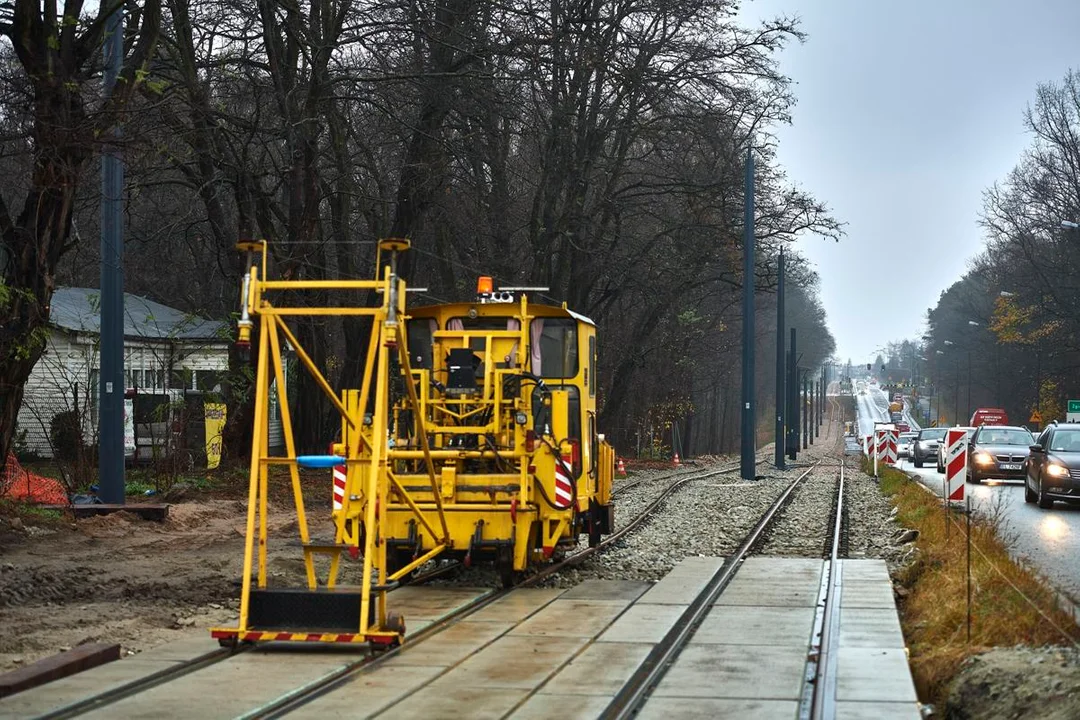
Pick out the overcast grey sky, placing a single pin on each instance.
(907, 110)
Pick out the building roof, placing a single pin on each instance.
(79, 309)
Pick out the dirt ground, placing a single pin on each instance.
(118, 578)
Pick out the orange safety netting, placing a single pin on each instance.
(17, 483)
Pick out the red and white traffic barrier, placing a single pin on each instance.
(892, 437)
(955, 463)
(879, 448)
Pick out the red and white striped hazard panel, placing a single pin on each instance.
(339, 486)
(564, 489)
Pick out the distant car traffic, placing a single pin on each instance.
(925, 445)
(1053, 467)
(942, 449)
(998, 451)
(903, 445)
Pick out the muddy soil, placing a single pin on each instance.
(121, 579)
(1020, 682)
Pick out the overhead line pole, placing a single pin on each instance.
(781, 389)
(747, 465)
(111, 373)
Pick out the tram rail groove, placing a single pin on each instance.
(633, 695)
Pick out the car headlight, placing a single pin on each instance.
(1057, 471)
(983, 458)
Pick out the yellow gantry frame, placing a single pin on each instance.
(369, 477)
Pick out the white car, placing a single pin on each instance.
(903, 445)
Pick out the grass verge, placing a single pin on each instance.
(1009, 605)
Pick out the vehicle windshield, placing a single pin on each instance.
(908, 436)
(1005, 437)
(932, 434)
(1066, 441)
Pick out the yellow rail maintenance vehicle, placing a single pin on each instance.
(472, 436)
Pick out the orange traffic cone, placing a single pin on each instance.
(676, 459)
(620, 471)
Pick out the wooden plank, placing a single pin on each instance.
(54, 667)
(147, 511)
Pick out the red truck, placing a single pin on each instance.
(989, 416)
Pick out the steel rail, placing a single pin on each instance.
(332, 681)
(108, 697)
(824, 705)
(632, 696)
(304, 694)
(179, 670)
(818, 700)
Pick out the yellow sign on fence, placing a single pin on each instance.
(215, 425)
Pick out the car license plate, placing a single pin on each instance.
(1011, 466)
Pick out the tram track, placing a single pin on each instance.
(821, 670)
(304, 694)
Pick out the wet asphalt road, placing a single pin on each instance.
(1048, 539)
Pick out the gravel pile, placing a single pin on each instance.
(710, 517)
(805, 525)
(1019, 682)
(704, 518)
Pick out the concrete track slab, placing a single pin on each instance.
(517, 606)
(769, 593)
(762, 567)
(45, 698)
(629, 590)
(456, 702)
(227, 689)
(451, 645)
(874, 675)
(601, 669)
(643, 623)
(743, 625)
(419, 603)
(572, 618)
(754, 672)
(870, 627)
(718, 709)
(512, 661)
(868, 570)
(866, 594)
(684, 582)
(877, 711)
(368, 693)
(561, 707)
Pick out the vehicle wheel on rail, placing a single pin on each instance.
(917, 462)
(1045, 501)
(973, 478)
(1029, 495)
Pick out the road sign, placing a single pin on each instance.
(955, 464)
(1035, 417)
(1074, 411)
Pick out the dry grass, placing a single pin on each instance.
(1009, 605)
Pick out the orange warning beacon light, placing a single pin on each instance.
(484, 285)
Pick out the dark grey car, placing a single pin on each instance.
(1053, 468)
(998, 451)
(924, 447)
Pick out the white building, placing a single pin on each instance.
(166, 352)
